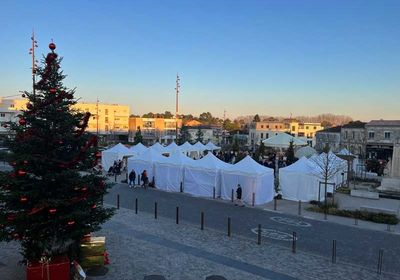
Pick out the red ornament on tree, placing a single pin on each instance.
(52, 211)
(52, 46)
(29, 106)
(22, 121)
(94, 206)
(23, 199)
(53, 90)
(71, 223)
(25, 162)
(21, 173)
(98, 155)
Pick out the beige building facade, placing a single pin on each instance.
(154, 129)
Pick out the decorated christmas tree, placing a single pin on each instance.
(51, 199)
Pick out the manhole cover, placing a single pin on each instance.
(215, 277)
(154, 277)
(290, 222)
(274, 234)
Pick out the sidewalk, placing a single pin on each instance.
(344, 201)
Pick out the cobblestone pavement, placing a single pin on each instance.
(354, 245)
(140, 245)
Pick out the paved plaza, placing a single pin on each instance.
(140, 245)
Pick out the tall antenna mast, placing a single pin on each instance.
(177, 89)
(97, 117)
(32, 52)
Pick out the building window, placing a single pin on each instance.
(106, 111)
(353, 134)
(2, 115)
(276, 127)
(106, 120)
(306, 127)
(262, 126)
(387, 134)
(266, 135)
(315, 127)
(267, 126)
(293, 128)
(345, 135)
(262, 135)
(371, 135)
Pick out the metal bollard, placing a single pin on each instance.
(380, 261)
(299, 212)
(253, 199)
(115, 177)
(202, 221)
(259, 234)
(232, 196)
(155, 210)
(274, 203)
(334, 251)
(117, 201)
(154, 182)
(126, 177)
(213, 192)
(136, 206)
(177, 215)
(181, 188)
(294, 239)
(229, 227)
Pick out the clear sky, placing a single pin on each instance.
(267, 57)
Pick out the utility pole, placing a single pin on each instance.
(32, 52)
(97, 117)
(177, 89)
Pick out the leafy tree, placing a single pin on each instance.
(290, 158)
(149, 115)
(256, 118)
(199, 135)
(168, 115)
(230, 126)
(260, 152)
(138, 136)
(46, 203)
(235, 146)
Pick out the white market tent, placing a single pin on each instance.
(200, 147)
(171, 148)
(169, 171)
(299, 181)
(345, 152)
(252, 177)
(306, 151)
(118, 152)
(145, 161)
(187, 148)
(158, 148)
(212, 147)
(203, 175)
(283, 140)
(138, 149)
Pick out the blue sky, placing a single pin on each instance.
(268, 57)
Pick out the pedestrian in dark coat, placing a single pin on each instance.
(132, 178)
(239, 196)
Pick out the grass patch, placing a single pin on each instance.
(380, 218)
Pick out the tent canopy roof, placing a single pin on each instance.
(305, 151)
(250, 167)
(211, 146)
(150, 155)
(303, 165)
(119, 149)
(157, 147)
(138, 148)
(283, 140)
(209, 162)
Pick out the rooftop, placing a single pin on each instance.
(334, 129)
(384, 123)
(355, 124)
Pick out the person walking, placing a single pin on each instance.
(239, 196)
(145, 179)
(132, 178)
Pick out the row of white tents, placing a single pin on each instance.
(119, 151)
(207, 176)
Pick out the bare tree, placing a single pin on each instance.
(327, 166)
